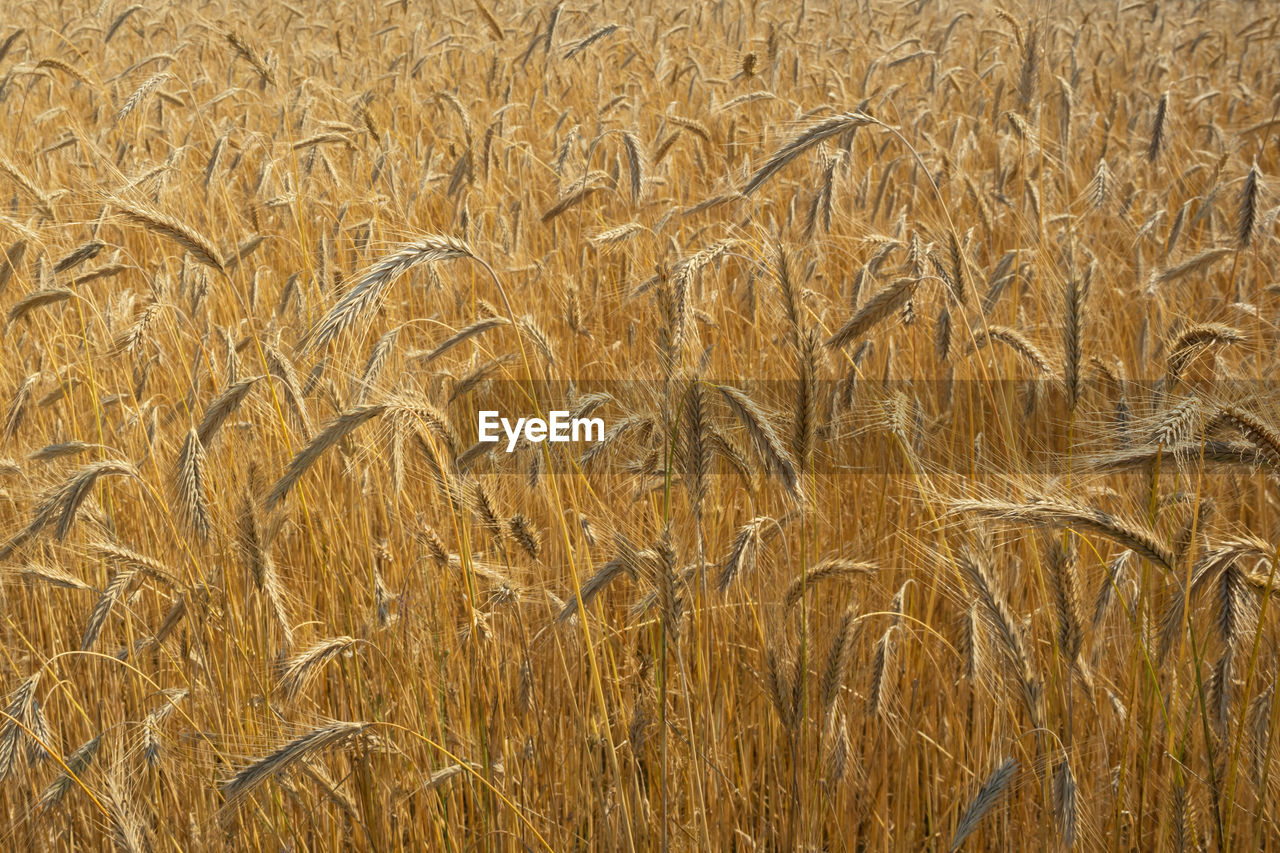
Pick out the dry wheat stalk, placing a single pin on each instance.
(151, 745)
(1052, 513)
(318, 740)
(51, 575)
(82, 253)
(1066, 814)
(134, 561)
(763, 435)
(628, 561)
(38, 299)
(17, 721)
(166, 226)
(18, 405)
(635, 164)
(837, 663)
(58, 508)
(1073, 337)
(801, 143)
(1247, 216)
(1016, 341)
(1002, 194)
(1178, 423)
(334, 432)
(301, 670)
(373, 367)
(1009, 630)
(988, 795)
(1065, 584)
(98, 273)
(122, 582)
(1198, 263)
(155, 81)
(222, 408)
(577, 192)
(602, 32)
(876, 309)
(832, 568)
(1264, 437)
(43, 199)
(1158, 124)
(1101, 186)
(1220, 454)
(279, 366)
(464, 334)
(490, 21)
(188, 486)
(251, 56)
(883, 683)
(741, 558)
(76, 763)
(11, 260)
(370, 287)
(523, 532)
(1198, 338)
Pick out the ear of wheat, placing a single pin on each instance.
(189, 491)
(166, 226)
(1050, 513)
(299, 671)
(336, 430)
(59, 507)
(286, 757)
(760, 429)
(371, 286)
(988, 795)
(801, 143)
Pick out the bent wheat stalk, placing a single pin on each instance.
(239, 786)
(337, 430)
(988, 795)
(302, 669)
(1049, 513)
(372, 285)
(166, 226)
(59, 508)
(801, 143)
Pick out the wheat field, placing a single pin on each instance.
(936, 505)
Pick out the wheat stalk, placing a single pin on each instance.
(877, 309)
(1158, 127)
(121, 584)
(301, 670)
(988, 795)
(315, 741)
(166, 226)
(1247, 215)
(763, 435)
(58, 508)
(371, 285)
(334, 432)
(464, 334)
(155, 81)
(1052, 513)
(189, 493)
(222, 408)
(801, 143)
(76, 763)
